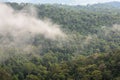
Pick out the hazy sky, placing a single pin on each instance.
(71, 2)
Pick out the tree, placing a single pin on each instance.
(5, 75)
(31, 77)
(96, 75)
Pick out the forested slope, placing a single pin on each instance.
(91, 50)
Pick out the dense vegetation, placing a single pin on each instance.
(54, 66)
(91, 51)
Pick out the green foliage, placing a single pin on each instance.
(93, 67)
(31, 77)
(4, 75)
(91, 51)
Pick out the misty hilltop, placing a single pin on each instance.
(114, 4)
(59, 42)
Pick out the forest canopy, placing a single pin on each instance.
(85, 42)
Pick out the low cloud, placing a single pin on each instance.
(20, 28)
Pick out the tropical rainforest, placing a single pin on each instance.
(90, 51)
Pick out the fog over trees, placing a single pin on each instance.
(59, 42)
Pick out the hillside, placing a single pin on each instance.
(84, 26)
(90, 49)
